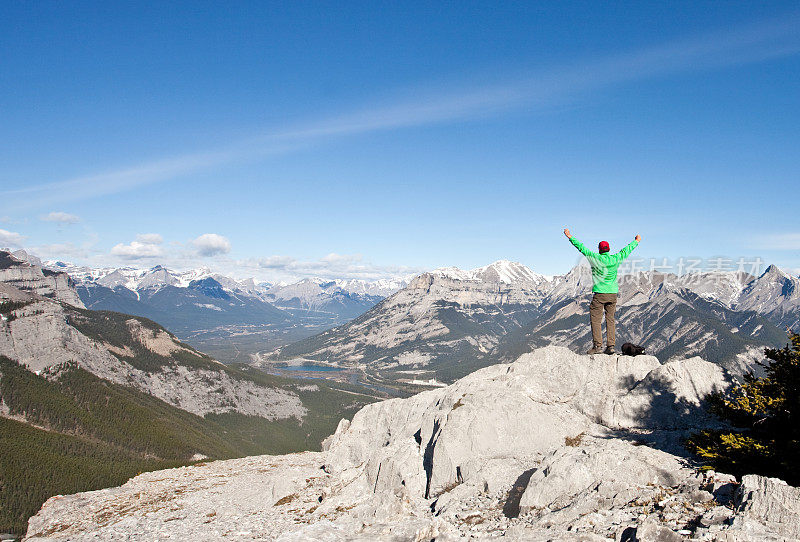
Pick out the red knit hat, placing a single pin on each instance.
(603, 247)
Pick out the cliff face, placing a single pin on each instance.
(555, 446)
(44, 324)
(42, 334)
(31, 278)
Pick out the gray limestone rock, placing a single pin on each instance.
(539, 449)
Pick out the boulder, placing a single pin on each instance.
(769, 507)
(523, 410)
(607, 467)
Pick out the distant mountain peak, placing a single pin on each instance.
(509, 272)
(24, 256)
(209, 287)
(774, 271)
(501, 271)
(452, 272)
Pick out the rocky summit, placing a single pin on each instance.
(554, 446)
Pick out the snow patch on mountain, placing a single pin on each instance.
(501, 271)
(310, 291)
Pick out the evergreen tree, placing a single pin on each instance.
(765, 413)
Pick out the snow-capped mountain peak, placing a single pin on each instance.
(158, 277)
(453, 273)
(508, 272)
(501, 271)
(319, 293)
(380, 287)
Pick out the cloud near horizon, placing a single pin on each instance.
(333, 265)
(62, 251)
(146, 246)
(11, 238)
(212, 244)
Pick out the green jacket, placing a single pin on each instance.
(604, 266)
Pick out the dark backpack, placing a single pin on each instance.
(630, 349)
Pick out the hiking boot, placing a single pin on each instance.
(595, 350)
(609, 350)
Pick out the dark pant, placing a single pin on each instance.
(603, 303)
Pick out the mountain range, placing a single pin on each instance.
(449, 322)
(45, 328)
(225, 317)
(95, 396)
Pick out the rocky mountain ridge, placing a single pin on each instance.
(51, 328)
(554, 446)
(345, 298)
(135, 279)
(501, 271)
(227, 317)
(42, 335)
(451, 322)
(18, 273)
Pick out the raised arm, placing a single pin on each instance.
(577, 244)
(625, 252)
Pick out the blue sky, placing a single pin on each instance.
(369, 139)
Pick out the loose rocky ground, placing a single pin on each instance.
(555, 446)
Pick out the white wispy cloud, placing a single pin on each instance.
(61, 217)
(62, 251)
(150, 238)
(331, 266)
(11, 238)
(212, 244)
(272, 262)
(112, 182)
(531, 91)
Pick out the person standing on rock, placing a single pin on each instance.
(604, 299)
